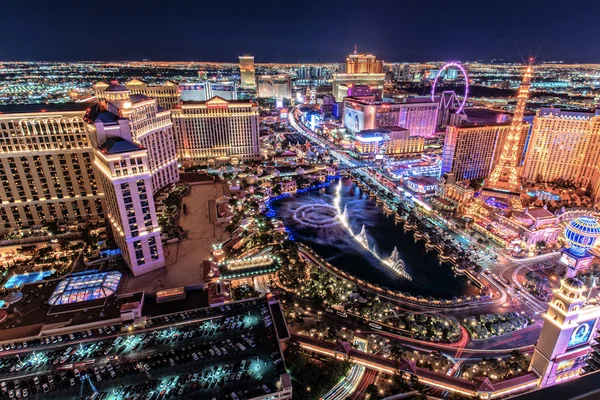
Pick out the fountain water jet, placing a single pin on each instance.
(362, 238)
(317, 215)
(397, 265)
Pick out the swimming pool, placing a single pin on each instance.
(16, 281)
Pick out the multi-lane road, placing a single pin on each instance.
(502, 274)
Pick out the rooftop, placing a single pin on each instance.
(36, 314)
(216, 100)
(370, 99)
(51, 107)
(479, 115)
(116, 88)
(137, 98)
(425, 180)
(117, 145)
(136, 81)
(371, 134)
(85, 287)
(98, 113)
(557, 112)
(392, 128)
(539, 213)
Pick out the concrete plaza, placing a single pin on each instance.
(184, 258)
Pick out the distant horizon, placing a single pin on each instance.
(499, 61)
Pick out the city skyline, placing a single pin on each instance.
(223, 230)
(466, 31)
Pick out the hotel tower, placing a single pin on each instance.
(247, 74)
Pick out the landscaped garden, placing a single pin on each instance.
(485, 326)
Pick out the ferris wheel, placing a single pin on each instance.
(465, 77)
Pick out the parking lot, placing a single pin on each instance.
(222, 353)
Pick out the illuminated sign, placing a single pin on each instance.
(222, 88)
(582, 333)
(584, 263)
(568, 260)
(353, 120)
(565, 366)
(369, 138)
(216, 102)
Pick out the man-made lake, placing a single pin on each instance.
(354, 234)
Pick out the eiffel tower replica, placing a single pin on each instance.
(503, 183)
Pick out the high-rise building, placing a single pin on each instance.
(472, 151)
(343, 82)
(167, 94)
(505, 174)
(278, 86)
(124, 171)
(202, 91)
(418, 115)
(149, 125)
(216, 131)
(401, 72)
(104, 160)
(135, 156)
(392, 141)
(363, 64)
(361, 70)
(564, 145)
(247, 74)
(313, 72)
(564, 344)
(46, 167)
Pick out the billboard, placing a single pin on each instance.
(353, 120)
(584, 263)
(202, 91)
(568, 259)
(581, 334)
(223, 88)
(565, 366)
(193, 92)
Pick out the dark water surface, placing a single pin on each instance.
(335, 243)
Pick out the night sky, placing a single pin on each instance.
(299, 31)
